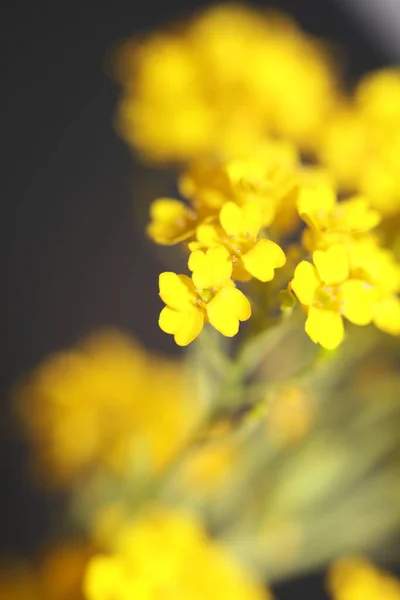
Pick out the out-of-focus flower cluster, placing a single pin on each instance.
(217, 85)
(106, 401)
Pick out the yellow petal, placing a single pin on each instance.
(263, 258)
(246, 220)
(252, 219)
(358, 299)
(190, 327)
(231, 218)
(184, 326)
(211, 269)
(332, 264)
(226, 309)
(315, 203)
(305, 282)
(387, 315)
(209, 235)
(177, 291)
(325, 327)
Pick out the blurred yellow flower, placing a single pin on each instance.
(360, 141)
(328, 291)
(105, 401)
(166, 554)
(290, 415)
(210, 295)
(357, 579)
(217, 85)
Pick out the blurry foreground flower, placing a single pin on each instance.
(106, 401)
(166, 554)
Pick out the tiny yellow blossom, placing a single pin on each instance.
(328, 292)
(209, 296)
(330, 221)
(238, 231)
(164, 554)
(355, 579)
(171, 221)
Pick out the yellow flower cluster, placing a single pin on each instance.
(242, 97)
(224, 226)
(105, 401)
(352, 276)
(234, 208)
(356, 578)
(217, 85)
(360, 142)
(165, 554)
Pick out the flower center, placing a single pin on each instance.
(206, 295)
(328, 297)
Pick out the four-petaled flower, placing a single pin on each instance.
(329, 293)
(238, 231)
(209, 296)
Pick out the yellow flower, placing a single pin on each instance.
(355, 578)
(89, 406)
(331, 221)
(164, 554)
(238, 232)
(328, 292)
(379, 267)
(171, 221)
(209, 296)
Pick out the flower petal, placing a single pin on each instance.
(185, 326)
(209, 235)
(325, 327)
(177, 291)
(315, 203)
(211, 269)
(263, 258)
(358, 299)
(332, 264)
(305, 282)
(252, 219)
(231, 218)
(387, 315)
(226, 309)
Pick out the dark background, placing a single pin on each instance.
(73, 258)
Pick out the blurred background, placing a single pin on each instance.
(74, 258)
